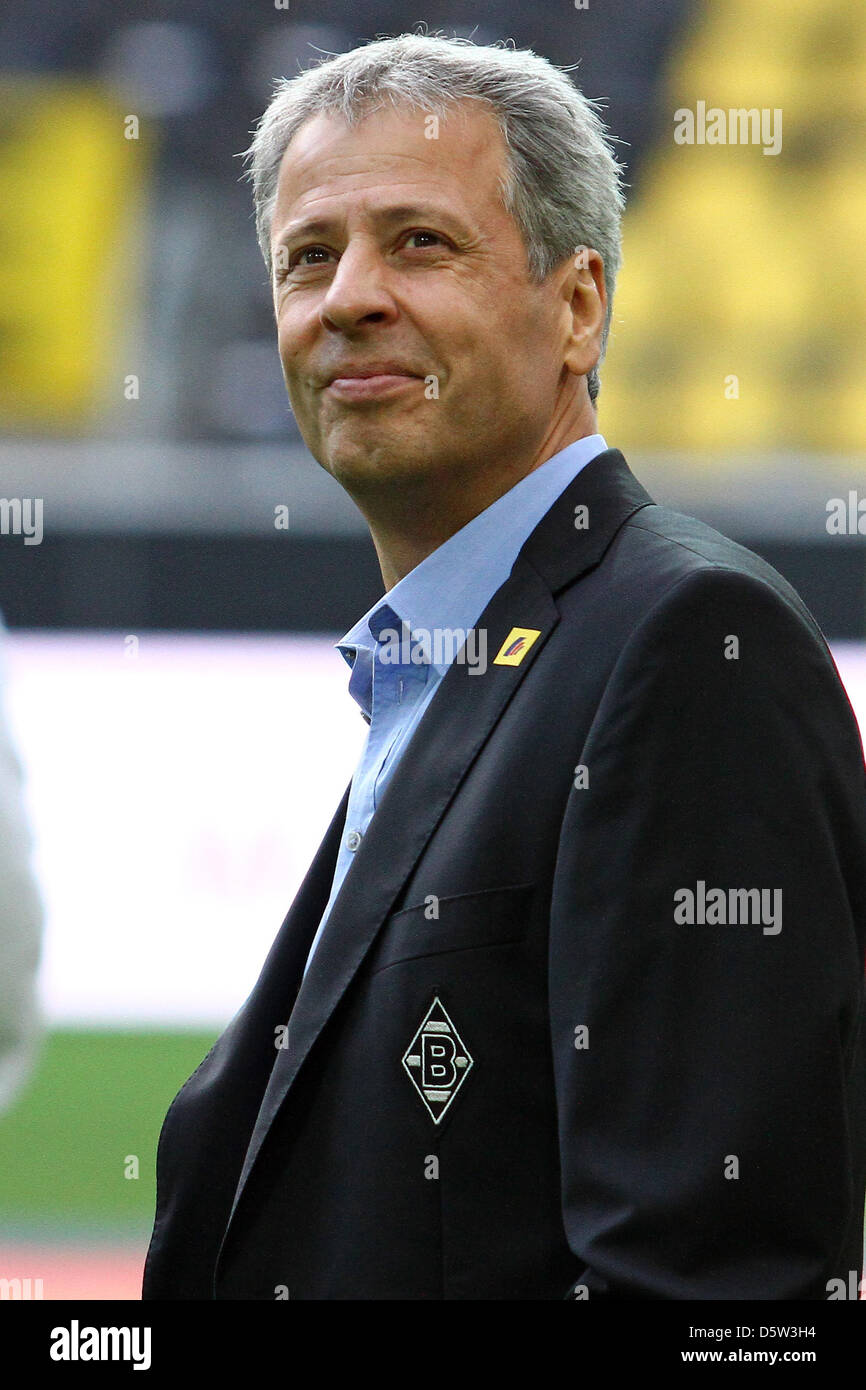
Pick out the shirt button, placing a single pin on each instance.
(353, 839)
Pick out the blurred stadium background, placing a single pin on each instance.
(172, 689)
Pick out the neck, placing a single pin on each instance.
(409, 522)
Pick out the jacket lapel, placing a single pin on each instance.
(454, 728)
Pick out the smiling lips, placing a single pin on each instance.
(361, 383)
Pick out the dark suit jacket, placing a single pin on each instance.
(554, 1087)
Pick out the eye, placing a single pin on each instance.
(422, 232)
(307, 251)
(284, 263)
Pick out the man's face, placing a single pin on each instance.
(394, 250)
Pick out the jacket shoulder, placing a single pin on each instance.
(663, 550)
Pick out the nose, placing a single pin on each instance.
(358, 291)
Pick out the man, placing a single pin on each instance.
(569, 1003)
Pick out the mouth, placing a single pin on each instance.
(360, 388)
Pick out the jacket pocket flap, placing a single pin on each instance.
(491, 917)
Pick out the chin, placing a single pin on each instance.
(378, 463)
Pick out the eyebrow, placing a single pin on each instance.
(320, 226)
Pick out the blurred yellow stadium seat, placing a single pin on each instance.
(740, 290)
(71, 186)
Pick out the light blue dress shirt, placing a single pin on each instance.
(447, 591)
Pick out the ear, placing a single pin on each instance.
(584, 296)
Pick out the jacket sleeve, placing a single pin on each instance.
(708, 1040)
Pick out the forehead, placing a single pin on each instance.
(331, 167)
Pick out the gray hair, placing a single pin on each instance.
(562, 183)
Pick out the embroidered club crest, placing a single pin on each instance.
(437, 1061)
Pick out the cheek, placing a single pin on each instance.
(295, 369)
(295, 330)
(287, 343)
(495, 334)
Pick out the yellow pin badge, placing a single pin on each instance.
(516, 645)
